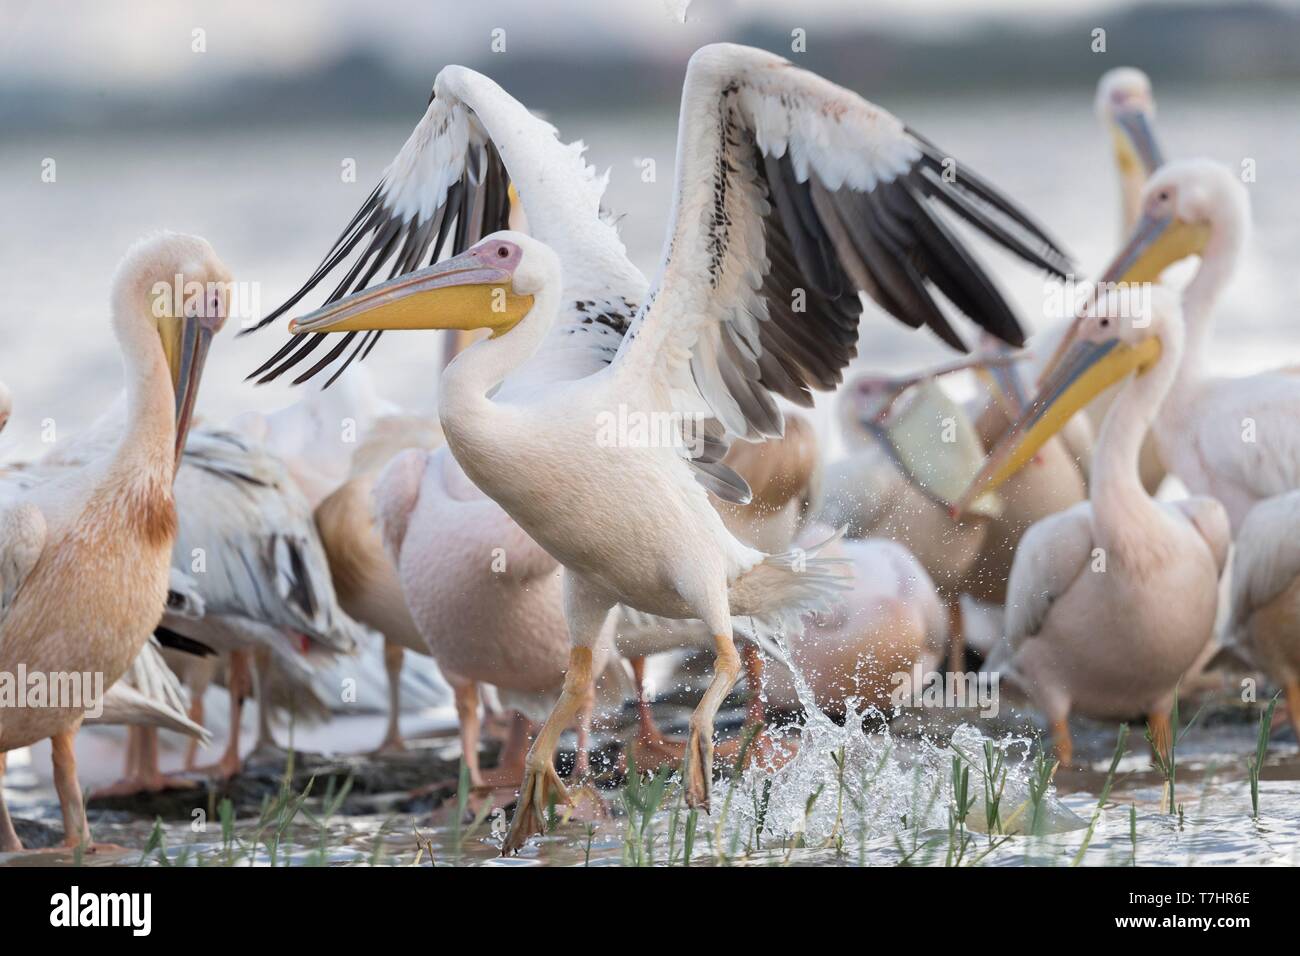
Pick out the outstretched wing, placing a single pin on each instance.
(449, 187)
(793, 196)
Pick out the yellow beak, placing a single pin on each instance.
(461, 293)
(1086, 370)
(1156, 243)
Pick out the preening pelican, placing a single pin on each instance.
(1265, 618)
(85, 556)
(1111, 601)
(365, 578)
(785, 184)
(485, 597)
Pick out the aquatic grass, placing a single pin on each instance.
(156, 837)
(1040, 779)
(748, 735)
(1120, 739)
(995, 781)
(1256, 764)
(692, 823)
(1167, 764)
(958, 810)
(642, 798)
(462, 834)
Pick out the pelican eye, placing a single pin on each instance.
(503, 252)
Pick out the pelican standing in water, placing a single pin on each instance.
(1111, 601)
(1235, 438)
(784, 476)
(486, 599)
(86, 556)
(785, 184)
(365, 578)
(1265, 608)
(265, 580)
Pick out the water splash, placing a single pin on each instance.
(866, 786)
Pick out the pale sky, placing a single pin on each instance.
(147, 42)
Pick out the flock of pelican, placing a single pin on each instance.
(538, 553)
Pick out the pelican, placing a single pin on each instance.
(1233, 439)
(784, 477)
(85, 556)
(912, 451)
(1126, 109)
(1265, 595)
(365, 579)
(1111, 601)
(793, 196)
(485, 597)
(890, 621)
(247, 539)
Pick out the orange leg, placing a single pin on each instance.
(239, 685)
(76, 832)
(582, 758)
(1293, 705)
(196, 715)
(1064, 742)
(467, 717)
(542, 784)
(650, 750)
(393, 657)
(698, 770)
(1161, 735)
(956, 637)
(509, 770)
